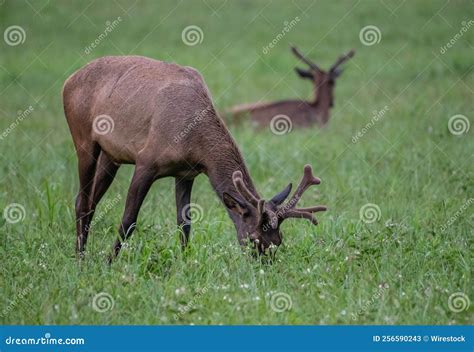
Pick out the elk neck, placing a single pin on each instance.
(221, 166)
(322, 101)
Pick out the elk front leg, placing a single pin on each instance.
(183, 198)
(142, 180)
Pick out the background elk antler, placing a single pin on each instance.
(300, 56)
(341, 60)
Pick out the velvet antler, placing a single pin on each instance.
(342, 59)
(300, 56)
(243, 190)
(258, 203)
(289, 210)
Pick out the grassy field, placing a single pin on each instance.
(411, 265)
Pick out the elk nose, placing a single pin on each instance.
(276, 241)
(254, 238)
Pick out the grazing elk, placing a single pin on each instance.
(301, 113)
(160, 117)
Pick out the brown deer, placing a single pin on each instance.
(300, 112)
(160, 117)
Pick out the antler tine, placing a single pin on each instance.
(300, 56)
(314, 209)
(293, 213)
(307, 180)
(242, 188)
(342, 59)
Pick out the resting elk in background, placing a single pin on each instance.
(301, 113)
(160, 117)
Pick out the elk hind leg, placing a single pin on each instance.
(105, 173)
(87, 161)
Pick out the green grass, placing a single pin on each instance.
(400, 269)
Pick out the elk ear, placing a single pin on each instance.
(234, 204)
(280, 197)
(304, 73)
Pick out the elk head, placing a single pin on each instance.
(324, 81)
(261, 220)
